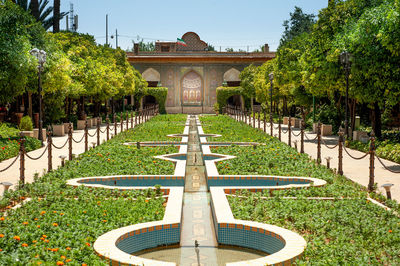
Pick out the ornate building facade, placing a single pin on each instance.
(191, 73)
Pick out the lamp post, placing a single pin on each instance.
(345, 59)
(271, 79)
(41, 57)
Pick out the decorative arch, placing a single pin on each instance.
(192, 88)
(232, 75)
(151, 74)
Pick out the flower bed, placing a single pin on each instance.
(9, 142)
(62, 222)
(341, 232)
(349, 231)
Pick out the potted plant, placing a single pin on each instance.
(26, 126)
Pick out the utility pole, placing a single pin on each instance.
(106, 29)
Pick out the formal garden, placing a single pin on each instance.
(334, 78)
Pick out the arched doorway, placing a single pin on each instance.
(149, 100)
(192, 89)
(235, 100)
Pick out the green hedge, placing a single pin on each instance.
(224, 93)
(160, 93)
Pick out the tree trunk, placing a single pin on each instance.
(376, 121)
(30, 113)
(34, 7)
(56, 16)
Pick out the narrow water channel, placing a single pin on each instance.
(197, 221)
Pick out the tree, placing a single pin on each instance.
(56, 16)
(247, 82)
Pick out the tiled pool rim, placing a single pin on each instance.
(287, 245)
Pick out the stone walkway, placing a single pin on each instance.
(356, 170)
(40, 166)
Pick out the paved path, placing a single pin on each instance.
(356, 170)
(40, 166)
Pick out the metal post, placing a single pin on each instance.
(108, 128)
(271, 125)
(135, 119)
(131, 119)
(371, 162)
(127, 120)
(265, 121)
(98, 131)
(290, 131)
(280, 128)
(319, 143)
(49, 152)
(70, 141)
(122, 121)
(86, 135)
(245, 116)
(259, 118)
(115, 125)
(340, 152)
(40, 107)
(302, 136)
(254, 119)
(22, 161)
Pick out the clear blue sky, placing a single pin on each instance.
(226, 23)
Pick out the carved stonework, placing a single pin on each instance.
(192, 86)
(193, 43)
(151, 74)
(232, 75)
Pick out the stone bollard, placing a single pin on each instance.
(62, 157)
(328, 162)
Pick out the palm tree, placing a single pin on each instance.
(40, 11)
(56, 16)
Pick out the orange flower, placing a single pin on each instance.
(63, 257)
(8, 207)
(1, 235)
(25, 223)
(34, 241)
(37, 256)
(84, 264)
(390, 231)
(38, 226)
(60, 263)
(17, 238)
(84, 211)
(42, 212)
(61, 214)
(2, 219)
(54, 249)
(67, 260)
(24, 245)
(68, 248)
(104, 221)
(87, 244)
(39, 262)
(55, 224)
(44, 236)
(1, 249)
(54, 211)
(47, 241)
(35, 219)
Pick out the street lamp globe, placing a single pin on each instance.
(271, 76)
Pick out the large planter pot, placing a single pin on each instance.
(360, 135)
(81, 124)
(295, 122)
(286, 120)
(18, 117)
(326, 130)
(27, 134)
(66, 128)
(2, 117)
(36, 120)
(58, 130)
(36, 133)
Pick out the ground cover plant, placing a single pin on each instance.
(340, 232)
(10, 142)
(61, 223)
(349, 230)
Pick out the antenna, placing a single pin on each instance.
(71, 17)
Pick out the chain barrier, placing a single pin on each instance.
(384, 166)
(101, 131)
(111, 128)
(284, 131)
(59, 148)
(92, 135)
(311, 139)
(83, 136)
(298, 135)
(37, 158)
(8, 167)
(326, 145)
(355, 158)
